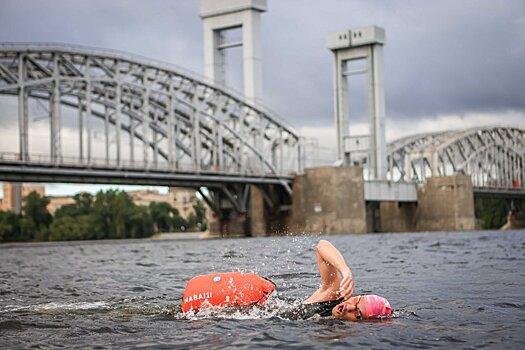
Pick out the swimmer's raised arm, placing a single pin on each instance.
(336, 276)
(330, 256)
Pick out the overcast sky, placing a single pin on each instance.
(448, 63)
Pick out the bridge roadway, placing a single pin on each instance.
(72, 171)
(69, 171)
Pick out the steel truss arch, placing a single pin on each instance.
(494, 156)
(180, 122)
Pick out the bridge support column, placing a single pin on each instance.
(398, 216)
(243, 218)
(23, 111)
(227, 225)
(373, 217)
(446, 203)
(264, 211)
(17, 197)
(256, 212)
(329, 200)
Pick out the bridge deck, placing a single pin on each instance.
(516, 193)
(70, 173)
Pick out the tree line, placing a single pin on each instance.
(491, 213)
(106, 215)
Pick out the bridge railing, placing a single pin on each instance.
(44, 160)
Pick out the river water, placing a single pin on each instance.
(460, 290)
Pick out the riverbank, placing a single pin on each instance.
(178, 235)
(515, 221)
(156, 237)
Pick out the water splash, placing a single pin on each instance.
(80, 306)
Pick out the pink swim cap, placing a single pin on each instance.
(376, 306)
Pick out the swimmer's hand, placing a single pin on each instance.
(346, 287)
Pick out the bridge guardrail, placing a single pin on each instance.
(100, 163)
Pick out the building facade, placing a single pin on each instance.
(179, 198)
(14, 192)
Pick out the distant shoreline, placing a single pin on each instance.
(156, 237)
(199, 235)
(177, 235)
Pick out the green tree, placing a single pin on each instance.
(191, 220)
(106, 215)
(110, 214)
(178, 222)
(83, 206)
(36, 217)
(200, 215)
(9, 226)
(161, 214)
(491, 212)
(116, 216)
(139, 223)
(166, 218)
(28, 229)
(197, 218)
(69, 228)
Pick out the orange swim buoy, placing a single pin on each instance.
(226, 289)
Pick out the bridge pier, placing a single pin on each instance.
(445, 203)
(398, 216)
(260, 218)
(256, 217)
(227, 225)
(329, 200)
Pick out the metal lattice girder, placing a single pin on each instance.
(492, 156)
(181, 122)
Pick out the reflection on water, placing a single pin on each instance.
(448, 289)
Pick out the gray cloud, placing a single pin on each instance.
(441, 57)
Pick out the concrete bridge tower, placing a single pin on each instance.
(355, 44)
(219, 16)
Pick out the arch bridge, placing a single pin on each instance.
(494, 157)
(116, 118)
(134, 120)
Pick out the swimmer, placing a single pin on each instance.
(334, 297)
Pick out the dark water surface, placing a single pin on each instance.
(459, 290)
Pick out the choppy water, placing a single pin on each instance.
(461, 290)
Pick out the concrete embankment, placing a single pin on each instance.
(178, 235)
